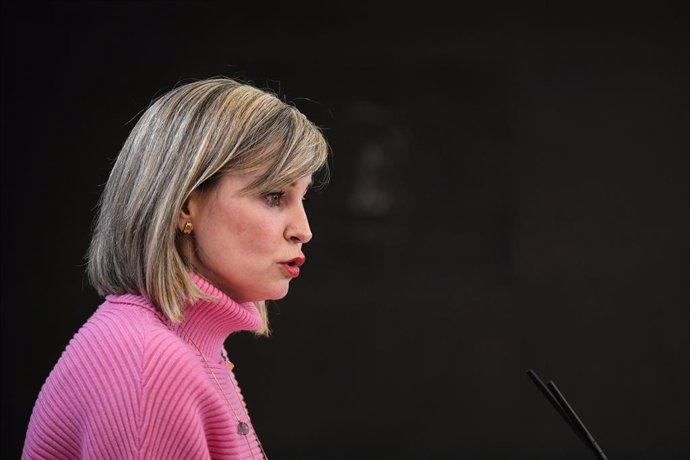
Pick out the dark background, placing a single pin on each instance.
(509, 191)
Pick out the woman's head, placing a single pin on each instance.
(182, 148)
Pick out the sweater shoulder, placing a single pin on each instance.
(109, 375)
(115, 345)
(115, 335)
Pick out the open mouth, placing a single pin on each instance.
(291, 267)
(296, 262)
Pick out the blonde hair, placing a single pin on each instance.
(188, 139)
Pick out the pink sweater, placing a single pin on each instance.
(131, 386)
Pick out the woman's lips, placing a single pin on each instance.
(291, 270)
(291, 267)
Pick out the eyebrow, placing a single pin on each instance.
(311, 182)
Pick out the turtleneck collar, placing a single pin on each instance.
(207, 323)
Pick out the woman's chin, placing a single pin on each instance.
(279, 292)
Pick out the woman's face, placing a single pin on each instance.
(248, 246)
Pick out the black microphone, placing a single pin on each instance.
(558, 401)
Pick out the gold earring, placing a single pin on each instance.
(188, 227)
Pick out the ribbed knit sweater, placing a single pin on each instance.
(130, 385)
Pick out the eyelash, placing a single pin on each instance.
(273, 199)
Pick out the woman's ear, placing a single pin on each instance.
(188, 210)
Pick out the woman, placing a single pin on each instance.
(201, 221)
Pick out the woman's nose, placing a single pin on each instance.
(298, 230)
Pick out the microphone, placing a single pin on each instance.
(558, 401)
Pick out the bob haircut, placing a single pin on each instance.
(187, 139)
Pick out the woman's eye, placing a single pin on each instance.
(273, 199)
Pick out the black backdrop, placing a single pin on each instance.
(509, 190)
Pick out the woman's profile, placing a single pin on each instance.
(201, 221)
